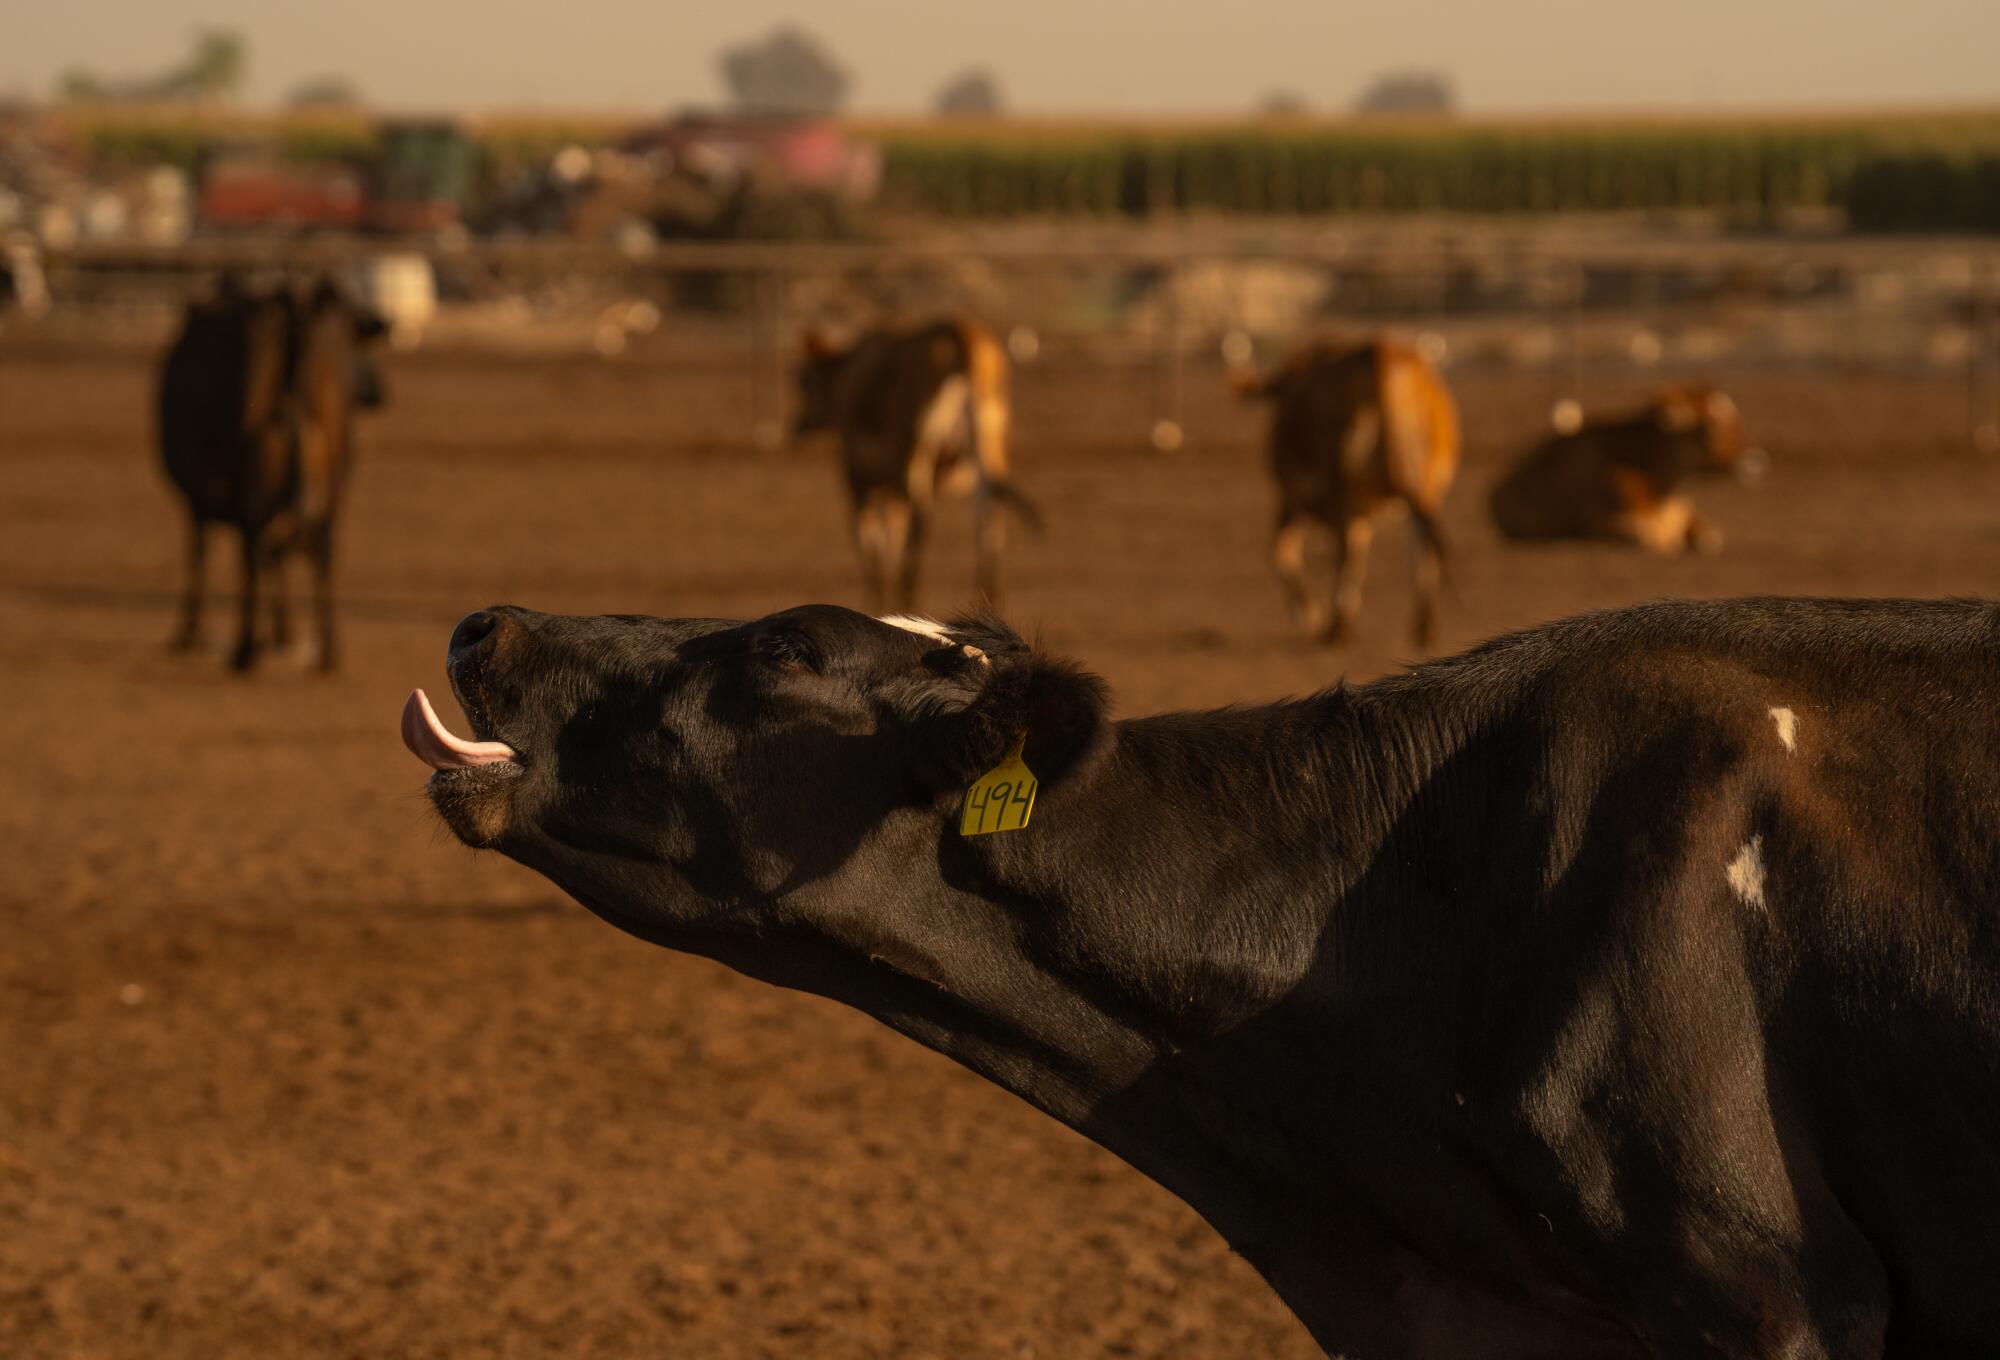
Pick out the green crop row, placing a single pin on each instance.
(1943, 170)
(1887, 174)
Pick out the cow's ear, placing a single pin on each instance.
(1251, 385)
(818, 347)
(1677, 410)
(1059, 710)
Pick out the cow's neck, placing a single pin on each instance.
(1226, 891)
(1166, 958)
(1193, 873)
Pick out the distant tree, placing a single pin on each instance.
(213, 71)
(324, 92)
(788, 72)
(1408, 92)
(1283, 104)
(970, 94)
(82, 87)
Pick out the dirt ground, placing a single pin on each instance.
(284, 1071)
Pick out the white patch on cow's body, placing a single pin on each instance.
(921, 626)
(1788, 726)
(940, 427)
(1358, 446)
(1746, 873)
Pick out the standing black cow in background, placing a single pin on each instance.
(256, 412)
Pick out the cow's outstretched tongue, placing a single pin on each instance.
(436, 747)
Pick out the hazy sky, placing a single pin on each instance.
(1061, 56)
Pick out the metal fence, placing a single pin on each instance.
(1577, 310)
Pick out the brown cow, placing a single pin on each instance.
(256, 406)
(1359, 430)
(916, 411)
(1619, 478)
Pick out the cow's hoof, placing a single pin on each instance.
(183, 643)
(243, 660)
(1706, 541)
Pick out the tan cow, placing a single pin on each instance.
(1620, 478)
(1359, 432)
(917, 411)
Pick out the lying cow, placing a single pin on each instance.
(915, 411)
(1621, 478)
(1359, 431)
(256, 427)
(1628, 986)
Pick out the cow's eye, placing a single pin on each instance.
(789, 649)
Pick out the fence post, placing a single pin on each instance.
(1983, 375)
(1166, 433)
(1564, 285)
(1576, 285)
(766, 378)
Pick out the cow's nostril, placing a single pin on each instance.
(472, 630)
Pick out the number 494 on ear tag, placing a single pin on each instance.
(1003, 799)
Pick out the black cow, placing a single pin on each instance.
(1629, 986)
(256, 426)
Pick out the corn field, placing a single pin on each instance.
(1913, 173)
(1929, 174)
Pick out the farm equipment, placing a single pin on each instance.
(696, 177)
(416, 179)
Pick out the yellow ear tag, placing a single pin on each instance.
(1003, 799)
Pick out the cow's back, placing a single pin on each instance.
(1357, 425)
(1580, 484)
(1325, 425)
(222, 389)
(1749, 879)
(888, 384)
(326, 383)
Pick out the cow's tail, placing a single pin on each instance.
(1005, 493)
(986, 411)
(1430, 528)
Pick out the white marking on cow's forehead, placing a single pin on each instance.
(921, 626)
(1788, 726)
(1746, 872)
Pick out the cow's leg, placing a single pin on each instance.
(187, 632)
(1664, 527)
(989, 543)
(321, 547)
(280, 599)
(1288, 557)
(906, 521)
(246, 627)
(1350, 570)
(871, 544)
(1704, 535)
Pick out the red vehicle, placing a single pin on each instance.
(247, 185)
(417, 181)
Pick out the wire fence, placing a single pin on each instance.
(1576, 311)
